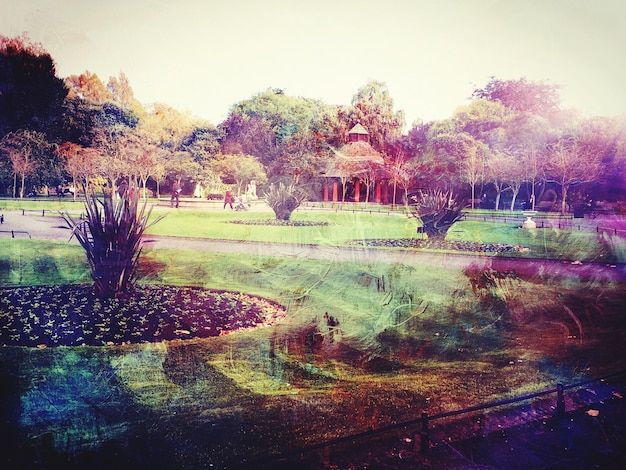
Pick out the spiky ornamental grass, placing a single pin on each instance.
(111, 236)
(284, 199)
(438, 211)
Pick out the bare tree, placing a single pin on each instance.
(21, 147)
(570, 164)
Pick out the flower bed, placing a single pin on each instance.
(281, 223)
(71, 315)
(442, 245)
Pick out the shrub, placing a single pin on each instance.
(438, 211)
(111, 237)
(284, 199)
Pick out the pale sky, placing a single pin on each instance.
(204, 56)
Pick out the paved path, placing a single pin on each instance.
(51, 227)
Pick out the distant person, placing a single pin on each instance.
(228, 199)
(175, 199)
(122, 188)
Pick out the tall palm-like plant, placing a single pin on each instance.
(111, 236)
(438, 211)
(284, 199)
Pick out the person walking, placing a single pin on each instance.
(228, 199)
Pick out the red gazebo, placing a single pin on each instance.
(356, 161)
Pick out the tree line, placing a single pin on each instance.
(511, 141)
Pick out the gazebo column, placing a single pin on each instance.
(377, 192)
(335, 190)
(386, 193)
(357, 191)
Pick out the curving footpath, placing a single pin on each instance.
(52, 227)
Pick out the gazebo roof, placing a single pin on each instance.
(358, 129)
(353, 158)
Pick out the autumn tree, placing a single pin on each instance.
(497, 174)
(368, 173)
(88, 87)
(111, 163)
(142, 158)
(123, 95)
(80, 162)
(180, 165)
(22, 147)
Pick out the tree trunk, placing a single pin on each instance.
(515, 193)
(395, 188)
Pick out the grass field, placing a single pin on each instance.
(408, 339)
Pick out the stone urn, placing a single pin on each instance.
(529, 222)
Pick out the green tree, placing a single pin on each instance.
(290, 135)
(31, 95)
(373, 107)
(537, 97)
(239, 169)
(527, 136)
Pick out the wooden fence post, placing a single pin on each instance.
(560, 401)
(424, 436)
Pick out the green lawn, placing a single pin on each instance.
(547, 243)
(409, 339)
(341, 226)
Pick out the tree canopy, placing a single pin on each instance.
(510, 139)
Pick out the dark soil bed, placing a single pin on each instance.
(72, 315)
(281, 223)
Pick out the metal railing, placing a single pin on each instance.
(425, 420)
(13, 232)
